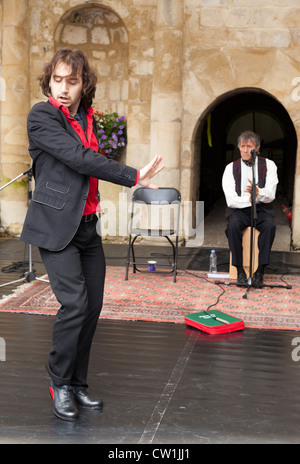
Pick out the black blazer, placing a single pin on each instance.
(62, 167)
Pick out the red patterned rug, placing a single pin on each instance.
(154, 297)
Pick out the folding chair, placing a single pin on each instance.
(154, 213)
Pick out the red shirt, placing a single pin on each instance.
(89, 140)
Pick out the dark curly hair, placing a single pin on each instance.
(79, 64)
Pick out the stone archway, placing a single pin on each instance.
(215, 142)
(101, 34)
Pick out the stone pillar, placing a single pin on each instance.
(14, 110)
(296, 208)
(166, 105)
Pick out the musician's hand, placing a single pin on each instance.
(149, 171)
(249, 189)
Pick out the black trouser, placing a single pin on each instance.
(239, 220)
(76, 275)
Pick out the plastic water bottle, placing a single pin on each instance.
(213, 262)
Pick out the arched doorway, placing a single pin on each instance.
(216, 140)
(101, 34)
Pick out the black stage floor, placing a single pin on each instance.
(161, 383)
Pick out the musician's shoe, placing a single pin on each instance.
(242, 278)
(258, 280)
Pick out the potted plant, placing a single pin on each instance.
(111, 133)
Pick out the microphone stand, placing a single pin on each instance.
(252, 223)
(18, 177)
(29, 276)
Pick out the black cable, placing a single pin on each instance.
(8, 233)
(14, 267)
(287, 285)
(218, 299)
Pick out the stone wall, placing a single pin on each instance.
(161, 63)
(14, 109)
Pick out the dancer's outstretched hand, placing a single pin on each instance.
(149, 171)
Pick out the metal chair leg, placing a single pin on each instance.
(128, 258)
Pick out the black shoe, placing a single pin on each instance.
(258, 280)
(64, 406)
(242, 278)
(82, 399)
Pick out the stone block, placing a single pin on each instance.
(165, 140)
(100, 35)
(74, 35)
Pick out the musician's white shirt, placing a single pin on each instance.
(265, 195)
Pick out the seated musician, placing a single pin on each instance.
(237, 186)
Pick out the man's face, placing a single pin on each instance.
(65, 87)
(245, 148)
